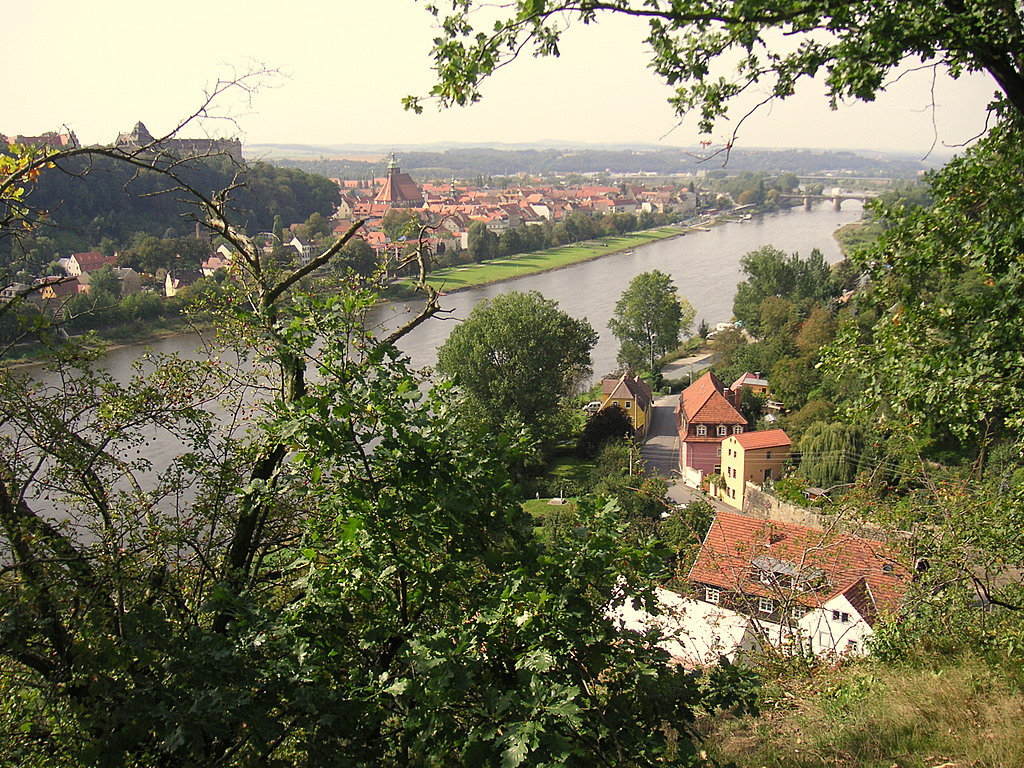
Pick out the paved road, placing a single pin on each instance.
(661, 453)
(685, 368)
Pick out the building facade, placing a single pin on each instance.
(633, 396)
(752, 457)
(706, 415)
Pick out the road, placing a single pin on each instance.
(661, 453)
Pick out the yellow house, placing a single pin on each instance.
(751, 457)
(633, 396)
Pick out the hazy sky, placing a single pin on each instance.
(100, 67)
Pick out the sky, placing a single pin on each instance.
(344, 65)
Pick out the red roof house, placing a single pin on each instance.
(706, 415)
(751, 457)
(90, 261)
(825, 590)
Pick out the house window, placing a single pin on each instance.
(712, 595)
(888, 567)
(841, 617)
(702, 430)
(737, 430)
(722, 430)
(765, 604)
(851, 646)
(798, 612)
(718, 469)
(768, 455)
(628, 405)
(719, 453)
(825, 642)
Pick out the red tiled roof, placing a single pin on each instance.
(769, 438)
(849, 565)
(399, 188)
(863, 601)
(90, 261)
(703, 402)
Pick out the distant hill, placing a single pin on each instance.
(470, 162)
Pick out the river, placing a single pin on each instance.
(704, 265)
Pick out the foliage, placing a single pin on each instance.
(359, 256)
(942, 355)
(341, 576)
(609, 424)
(680, 535)
(515, 357)
(790, 489)
(483, 244)
(96, 197)
(399, 224)
(830, 453)
(619, 473)
(863, 44)
(648, 319)
(814, 410)
(770, 272)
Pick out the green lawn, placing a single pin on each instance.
(466, 276)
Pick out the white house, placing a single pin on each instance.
(758, 582)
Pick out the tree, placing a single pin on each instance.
(607, 425)
(482, 243)
(515, 357)
(855, 47)
(400, 224)
(648, 320)
(771, 273)
(940, 356)
(316, 226)
(359, 256)
(830, 453)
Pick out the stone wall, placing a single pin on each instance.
(758, 503)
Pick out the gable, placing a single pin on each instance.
(703, 402)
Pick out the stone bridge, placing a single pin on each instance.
(837, 198)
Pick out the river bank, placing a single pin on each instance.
(30, 355)
(459, 278)
(463, 277)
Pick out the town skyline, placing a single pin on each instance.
(344, 68)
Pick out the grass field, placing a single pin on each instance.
(950, 713)
(455, 278)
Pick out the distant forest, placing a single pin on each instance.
(475, 162)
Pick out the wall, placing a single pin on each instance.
(757, 503)
(702, 456)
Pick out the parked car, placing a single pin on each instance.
(593, 406)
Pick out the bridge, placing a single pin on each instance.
(836, 198)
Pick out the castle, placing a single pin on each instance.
(181, 148)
